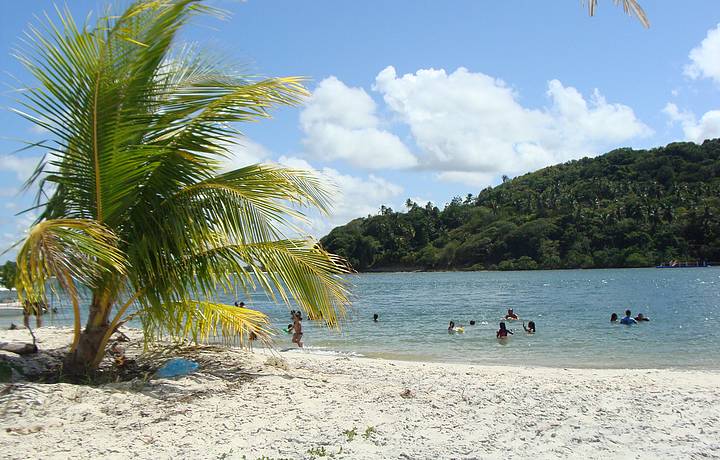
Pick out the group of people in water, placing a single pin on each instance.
(295, 328)
(628, 318)
(503, 332)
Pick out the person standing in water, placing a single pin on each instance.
(297, 329)
(503, 332)
(511, 314)
(530, 329)
(614, 318)
(375, 318)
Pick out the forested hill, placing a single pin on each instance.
(627, 208)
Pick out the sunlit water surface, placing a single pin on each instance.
(571, 309)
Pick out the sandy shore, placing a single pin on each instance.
(243, 405)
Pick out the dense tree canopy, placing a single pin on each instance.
(627, 208)
(7, 274)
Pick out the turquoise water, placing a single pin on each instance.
(571, 309)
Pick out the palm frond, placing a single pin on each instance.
(67, 250)
(631, 7)
(201, 321)
(298, 271)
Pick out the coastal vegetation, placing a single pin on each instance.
(8, 271)
(627, 208)
(135, 205)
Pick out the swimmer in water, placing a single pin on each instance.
(530, 329)
(375, 317)
(503, 332)
(511, 315)
(472, 322)
(628, 319)
(641, 317)
(614, 318)
(451, 327)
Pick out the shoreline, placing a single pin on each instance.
(397, 269)
(296, 405)
(322, 352)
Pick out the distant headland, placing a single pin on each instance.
(626, 208)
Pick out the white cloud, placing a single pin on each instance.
(708, 127)
(477, 180)
(23, 167)
(340, 123)
(705, 58)
(468, 123)
(354, 197)
(244, 153)
(37, 129)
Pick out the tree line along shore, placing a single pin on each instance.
(626, 208)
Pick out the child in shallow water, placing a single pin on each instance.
(503, 332)
(530, 329)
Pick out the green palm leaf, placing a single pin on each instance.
(66, 251)
(133, 201)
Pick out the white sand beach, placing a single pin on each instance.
(245, 405)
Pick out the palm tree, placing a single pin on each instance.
(631, 7)
(133, 202)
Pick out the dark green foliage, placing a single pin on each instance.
(627, 208)
(7, 274)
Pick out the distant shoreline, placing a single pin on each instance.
(400, 269)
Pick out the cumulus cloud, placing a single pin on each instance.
(340, 123)
(244, 153)
(708, 127)
(23, 167)
(705, 58)
(354, 196)
(476, 180)
(471, 126)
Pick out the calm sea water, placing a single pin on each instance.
(571, 309)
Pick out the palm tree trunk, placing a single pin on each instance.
(81, 360)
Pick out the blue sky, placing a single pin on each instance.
(430, 99)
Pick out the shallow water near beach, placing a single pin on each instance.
(571, 309)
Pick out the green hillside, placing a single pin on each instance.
(627, 208)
